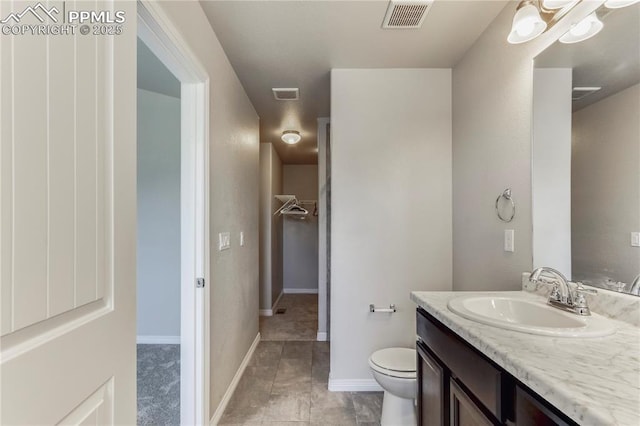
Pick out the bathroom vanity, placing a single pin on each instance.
(471, 373)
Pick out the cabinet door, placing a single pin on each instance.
(464, 412)
(530, 412)
(431, 392)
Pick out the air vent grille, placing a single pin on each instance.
(582, 92)
(406, 14)
(286, 93)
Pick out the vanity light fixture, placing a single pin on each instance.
(583, 30)
(534, 17)
(291, 137)
(617, 4)
(527, 23)
(556, 4)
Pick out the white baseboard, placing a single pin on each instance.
(300, 291)
(234, 383)
(321, 336)
(158, 340)
(354, 385)
(273, 307)
(269, 312)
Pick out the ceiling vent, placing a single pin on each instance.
(406, 14)
(286, 94)
(582, 92)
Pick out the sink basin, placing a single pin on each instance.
(529, 316)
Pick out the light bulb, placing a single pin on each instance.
(527, 25)
(525, 28)
(291, 137)
(583, 30)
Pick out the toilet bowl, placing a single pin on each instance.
(395, 371)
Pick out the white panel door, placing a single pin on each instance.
(67, 215)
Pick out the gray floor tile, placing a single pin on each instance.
(267, 354)
(289, 407)
(320, 374)
(297, 350)
(286, 381)
(333, 416)
(321, 358)
(242, 416)
(368, 406)
(321, 398)
(285, 423)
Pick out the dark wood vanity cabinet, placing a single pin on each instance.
(459, 386)
(432, 386)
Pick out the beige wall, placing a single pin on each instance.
(492, 115)
(605, 183)
(270, 227)
(234, 168)
(390, 208)
(300, 237)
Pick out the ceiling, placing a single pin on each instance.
(296, 43)
(610, 60)
(153, 75)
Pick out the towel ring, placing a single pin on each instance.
(506, 194)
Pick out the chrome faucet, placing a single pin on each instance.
(635, 286)
(563, 296)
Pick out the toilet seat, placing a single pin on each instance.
(395, 362)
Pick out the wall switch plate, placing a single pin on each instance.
(635, 239)
(241, 238)
(508, 240)
(224, 241)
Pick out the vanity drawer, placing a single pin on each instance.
(465, 363)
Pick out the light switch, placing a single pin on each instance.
(635, 239)
(508, 240)
(241, 238)
(224, 241)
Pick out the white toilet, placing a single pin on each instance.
(395, 370)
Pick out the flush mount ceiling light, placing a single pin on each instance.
(617, 4)
(583, 30)
(527, 23)
(291, 137)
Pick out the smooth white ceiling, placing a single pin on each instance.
(153, 75)
(611, 59)
(296, 43)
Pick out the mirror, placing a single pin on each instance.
(586, 154)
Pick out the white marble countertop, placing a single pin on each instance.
(594, 381)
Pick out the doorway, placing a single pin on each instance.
(158, 236)
(184, 389)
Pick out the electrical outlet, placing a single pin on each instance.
(224, 241)
(635, 239)
(509, 240)
(241, 238)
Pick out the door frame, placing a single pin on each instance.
(157, 31)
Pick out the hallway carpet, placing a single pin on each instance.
(299, 322)
(287, 382)
(158, 385)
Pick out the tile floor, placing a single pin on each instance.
(300, 322)
(158, 385)
(286, 384)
